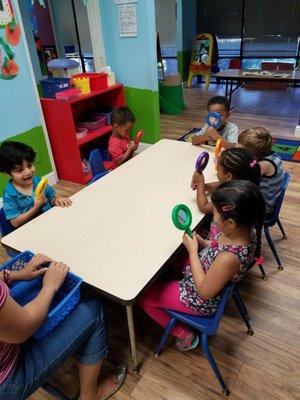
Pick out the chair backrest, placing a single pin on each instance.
(235, 63)
(273, 218)
(5, 226)
(225, 296)
(96, 163)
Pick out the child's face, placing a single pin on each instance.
(122, 130)
(22, 175)
(221, 174)
(219, 108)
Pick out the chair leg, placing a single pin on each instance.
(164, 336)
(237, 297)
(281, 229)
(263, 273)
(211, 360)
(271, 244)
(243, 311)
(207, 81)
(190, 78)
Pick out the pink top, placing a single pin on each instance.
(8, 352)
(117, 147)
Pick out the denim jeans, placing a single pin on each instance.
(82, 335)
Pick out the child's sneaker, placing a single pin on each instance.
(188, 343)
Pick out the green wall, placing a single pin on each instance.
(183, 60)
(36, 139)
(144, 104)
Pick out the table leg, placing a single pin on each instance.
(132, 339)
(226, 88)
(230, 92)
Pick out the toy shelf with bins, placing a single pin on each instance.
(61, 117)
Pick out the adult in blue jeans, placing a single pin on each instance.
(25, 363)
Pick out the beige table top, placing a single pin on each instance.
(238, 74)
(118, 232)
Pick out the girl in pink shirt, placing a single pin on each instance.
(120, 148)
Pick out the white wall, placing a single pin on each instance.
(166, 22)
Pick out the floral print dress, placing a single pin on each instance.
(188, 293)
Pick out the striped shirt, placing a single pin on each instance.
(8, 352)
(270, 186)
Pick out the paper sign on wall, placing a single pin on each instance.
(125, 1)
(127, 20)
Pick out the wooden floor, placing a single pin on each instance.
(265, 366)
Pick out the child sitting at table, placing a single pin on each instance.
(259, 142)
(228, 131)
(238, 210)
(19, 201)
(120, 148)
(235, 163)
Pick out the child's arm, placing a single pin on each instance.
(30, 214)
(214, 135)
(200, 139)
(203, 204)
(209, 284)
(128, 153)
(210, 187)
(267, 168)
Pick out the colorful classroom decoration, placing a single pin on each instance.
(9, 69)
(201, 59)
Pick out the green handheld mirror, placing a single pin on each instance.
(182, 218)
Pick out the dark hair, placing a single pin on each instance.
(243, 202)
(122, 115)
(219, 100)
(13, 154)
(241, 164)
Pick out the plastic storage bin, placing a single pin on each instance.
(54, 85)
(82, 83)
(65, 300)
(98, 81)
(68, 94)
(92, 125)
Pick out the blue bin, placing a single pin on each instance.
(54, 85)
(65, 300)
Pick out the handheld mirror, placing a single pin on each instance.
(182, 218)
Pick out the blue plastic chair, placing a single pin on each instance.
(207, 326)
(6, 228)
(99, 167)
(273, 219)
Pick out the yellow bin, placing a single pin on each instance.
(83, 84)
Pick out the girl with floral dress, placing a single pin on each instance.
(238, 208)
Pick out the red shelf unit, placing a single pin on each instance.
(61, 116)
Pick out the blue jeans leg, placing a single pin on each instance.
(82, 334)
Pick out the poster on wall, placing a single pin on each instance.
(9, 38)
(127, 20)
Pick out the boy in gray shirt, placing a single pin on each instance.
(228, 131)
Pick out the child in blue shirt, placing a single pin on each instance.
(228, 131)
(19, 203)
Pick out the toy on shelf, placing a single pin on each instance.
(138, 137)
(182, 218)
(69, 94)
(202, 161)
(63, 67)
(82, 83)
(41, 187)
(214, 120)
